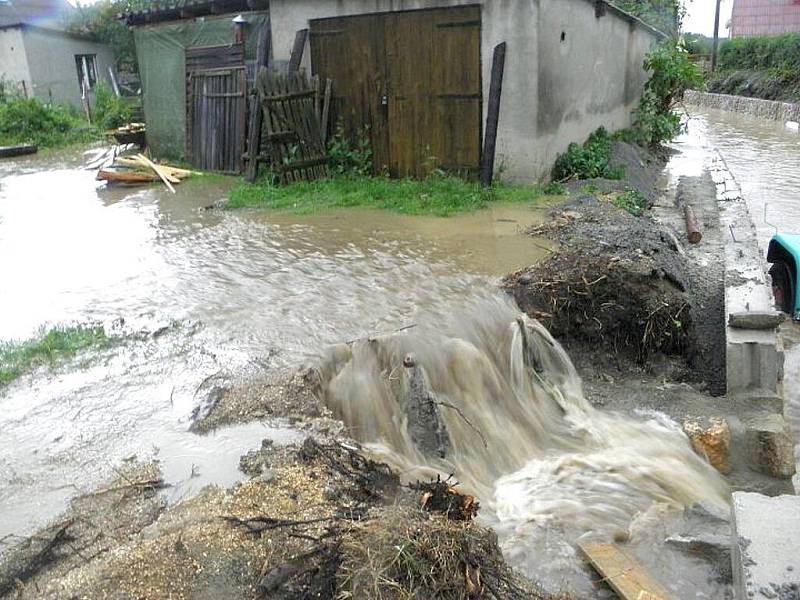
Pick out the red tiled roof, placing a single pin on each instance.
(764, 17)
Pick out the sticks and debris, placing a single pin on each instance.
(140, 169)
(442, 497)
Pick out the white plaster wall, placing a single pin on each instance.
(51, 56)
(13, 61)
(554, 92)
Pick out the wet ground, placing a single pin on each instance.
(764, 156)
(192, 292)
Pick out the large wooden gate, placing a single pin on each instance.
(216, 98)
(413, 78)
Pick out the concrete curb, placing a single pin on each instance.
(754, 361)
(756, 107)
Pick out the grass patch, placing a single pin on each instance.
(438, 195)
(47, 348)
(631, 201)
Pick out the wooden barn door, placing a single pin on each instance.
(414, 78)
(216, 96)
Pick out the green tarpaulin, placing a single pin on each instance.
(160, 49)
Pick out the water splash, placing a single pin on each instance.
(547, 466)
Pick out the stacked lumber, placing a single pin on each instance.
(140, 169)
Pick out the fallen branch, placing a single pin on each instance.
(466, 420)
(155, 484)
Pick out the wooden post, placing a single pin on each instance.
(256, 113)
(692, 228)
(716, 38)
(493, 115)
(297, 50)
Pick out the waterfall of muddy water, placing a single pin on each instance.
(201, 292)
(548, 468)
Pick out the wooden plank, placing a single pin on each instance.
(297, 50)
(622, 573)
(326, 108)
(493, 115)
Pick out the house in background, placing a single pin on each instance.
(764, 17)
(44, 60)
(415, 74)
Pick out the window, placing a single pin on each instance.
(87, 70)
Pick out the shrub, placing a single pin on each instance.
(761, 53)
(110, 111)
(589, 161)
(28, 120)
(350, 156)
(672, 74)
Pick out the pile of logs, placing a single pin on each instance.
(140, 169)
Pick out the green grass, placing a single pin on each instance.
(631, 201)
(437, 195)
(47, 348)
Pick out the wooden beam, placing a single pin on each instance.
(692, 227)
(622, 573)
(256, 113)
(493, 115)
(297, 50)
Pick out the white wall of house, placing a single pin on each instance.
(13, 60)
(51, 59)
(554, 91)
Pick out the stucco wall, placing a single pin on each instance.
(51, 58)
(13, 62)
(554, 92)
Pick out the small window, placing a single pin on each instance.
(87, 70)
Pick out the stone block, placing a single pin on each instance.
(770, 445)
(710, 437)
(766, 547)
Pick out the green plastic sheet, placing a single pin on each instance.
(160, 49)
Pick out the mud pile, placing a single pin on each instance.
(616, 281)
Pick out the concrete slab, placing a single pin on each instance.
(754, 360)
(766, 547)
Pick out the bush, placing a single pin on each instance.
(350, 156)
(761, 53)
(672, 74)
(110, 111)
(589, 161)
(28, 120)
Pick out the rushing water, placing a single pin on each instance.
(198, 291)
(549, 469)
(192, 291)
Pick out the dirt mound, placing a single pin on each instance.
(617, 280)
(319, 520)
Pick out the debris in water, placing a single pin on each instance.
(420, 405)
(441, 497)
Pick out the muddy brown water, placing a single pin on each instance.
(202, 290)
(764, 156)
(199, 291)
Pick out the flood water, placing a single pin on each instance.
(190, 292)
(764, 156)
